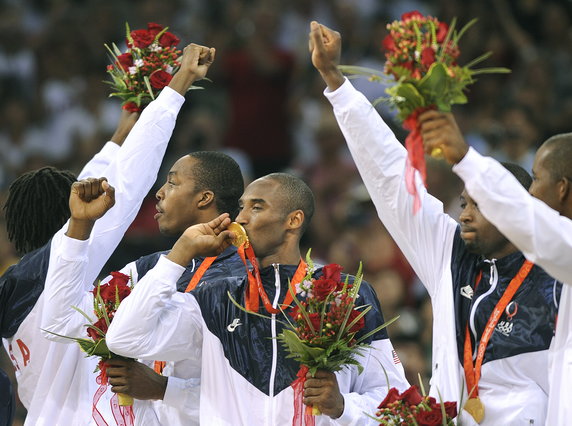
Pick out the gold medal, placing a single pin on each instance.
(240, 234)
(475, 407)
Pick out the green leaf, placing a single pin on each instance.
(149, 88)
(493, 70)
(435, 81)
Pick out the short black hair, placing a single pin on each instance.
(519, 173)
(558, 160)
(37, 207)
(297, 196)
(217, 172)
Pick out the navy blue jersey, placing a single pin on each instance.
(20, 288)
(248, 348)
(528, 322)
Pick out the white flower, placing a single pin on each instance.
(132, 70)
(155, 47)
(139, 63)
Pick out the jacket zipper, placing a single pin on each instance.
(493, 281)
(274, 341)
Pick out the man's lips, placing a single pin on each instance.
(467, 232)
(159, 212)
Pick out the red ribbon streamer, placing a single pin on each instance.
(415, 156)
(124, 416)
(302, 413)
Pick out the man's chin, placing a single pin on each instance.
(472, 246)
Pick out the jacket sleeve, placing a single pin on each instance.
(183, 394)
(96, 166)
(426, 237)
(538, 231)
(382, 370)
(145, 144)
(156, 321)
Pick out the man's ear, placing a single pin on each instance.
(295, 219)
(563, 186)
(206, 199)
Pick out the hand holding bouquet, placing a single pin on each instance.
(421, 58)
(106, 299)
(325, 322)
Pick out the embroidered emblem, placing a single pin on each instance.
(511, 310)
(232, 326)
(505, 327)
(467, 292)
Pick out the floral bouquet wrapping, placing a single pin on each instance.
(325, 321)
(107, 298)
(413, 409)
(140, 73)
(421, 58)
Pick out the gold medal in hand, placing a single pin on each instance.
(240, 234)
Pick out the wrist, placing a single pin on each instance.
(333, 77)
(182, 252)
(80, 229)
(461, 154)
(119, 137)
(182, 81)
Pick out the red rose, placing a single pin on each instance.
(315, 320)
(358, 325)
(102, 325)
(429, 418)
(442, 31)
(450, 409)
(392, 396)
(388, 43)
(410, 15)
(333, 271)
(323, 287)
(169, 39)
(119, 278)
(154, 28)
(412, 396)
(124, 61)
(427, 56)
(109, 292)
(160, 79)
(142, 38)
(131, 107)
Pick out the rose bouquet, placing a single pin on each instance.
(140, 73)
(413, 409)
(324, 321)
(106, 300)
(421, 59)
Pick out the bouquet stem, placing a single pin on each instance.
(124, 400)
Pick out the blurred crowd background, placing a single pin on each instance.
(265, 107)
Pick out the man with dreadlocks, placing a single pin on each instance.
(55, 379)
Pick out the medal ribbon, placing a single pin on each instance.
(159, 365)
(473, 372)
(255, 289)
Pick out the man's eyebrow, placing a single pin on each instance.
(171, 174)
